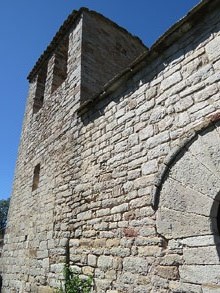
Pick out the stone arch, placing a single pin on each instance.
(187, 204)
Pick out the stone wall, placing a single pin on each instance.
(107, 50)
(127, 191)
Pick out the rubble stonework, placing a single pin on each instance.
(118, 167)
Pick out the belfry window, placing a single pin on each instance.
(36, 177)
(40, 89)
(60, 64)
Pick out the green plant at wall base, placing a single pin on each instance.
(73, 283)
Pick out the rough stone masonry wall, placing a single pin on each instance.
(31, 245)
(107, 50)
(97, 176)
(122, 144)
(36, 244)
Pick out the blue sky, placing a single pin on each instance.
(27, 27)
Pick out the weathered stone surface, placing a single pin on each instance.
(175, 224)
(45, 290)
(176, 286)
(210, 289)
(135, 265)
(120, 195)
(197, 241)
(168, 272)
(190, 171)
(212, 49)
(201, 255)
(171, 81)
(193, 273)
(105, 262)
(184, 199)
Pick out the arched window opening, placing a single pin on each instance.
(36, 177)
(60, 65)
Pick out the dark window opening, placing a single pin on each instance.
(36, 177)
(218, 219)
(60, 64)
(40, 89)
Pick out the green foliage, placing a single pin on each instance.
(73, 283)
(4, 206)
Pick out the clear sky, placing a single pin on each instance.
(27, 27)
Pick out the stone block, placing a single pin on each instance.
(211, 289)
(45, 289)
(200, 274)
(105, 262)
(198, 241)
(201, 256)
(180, 197)
(149, 167)
(179, 286)
(168, 272)
(191, 172)
(146, 132)
(213, 49)
(170, 81)
(92, 260)
(136, 265)
(175, 224)
(119, 209)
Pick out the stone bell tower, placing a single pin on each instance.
(86, 53)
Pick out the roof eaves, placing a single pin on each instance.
(165, 41)
(66, 26)
(59, 35)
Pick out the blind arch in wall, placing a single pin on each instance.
(188, 212)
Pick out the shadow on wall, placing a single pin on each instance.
(215, 222)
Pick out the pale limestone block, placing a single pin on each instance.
(200, 274)
(179, 286)
(213, 49)
(145, 107)
(149, 167)
(105, 262)
(197, 241)
(175, 224)
(201, 255)
(180, 197)
(190, 171)
(211, 289)
(170, 81)
(157, 114)
(146, 132)
(119, 209)
(135, 265)
(183, 104)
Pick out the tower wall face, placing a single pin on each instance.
(31, 245)
(93, 207)
(106, 52)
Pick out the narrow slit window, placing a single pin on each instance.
(40, 89)
(60, 64)
(36, 177)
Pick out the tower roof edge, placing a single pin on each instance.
(65, 27)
